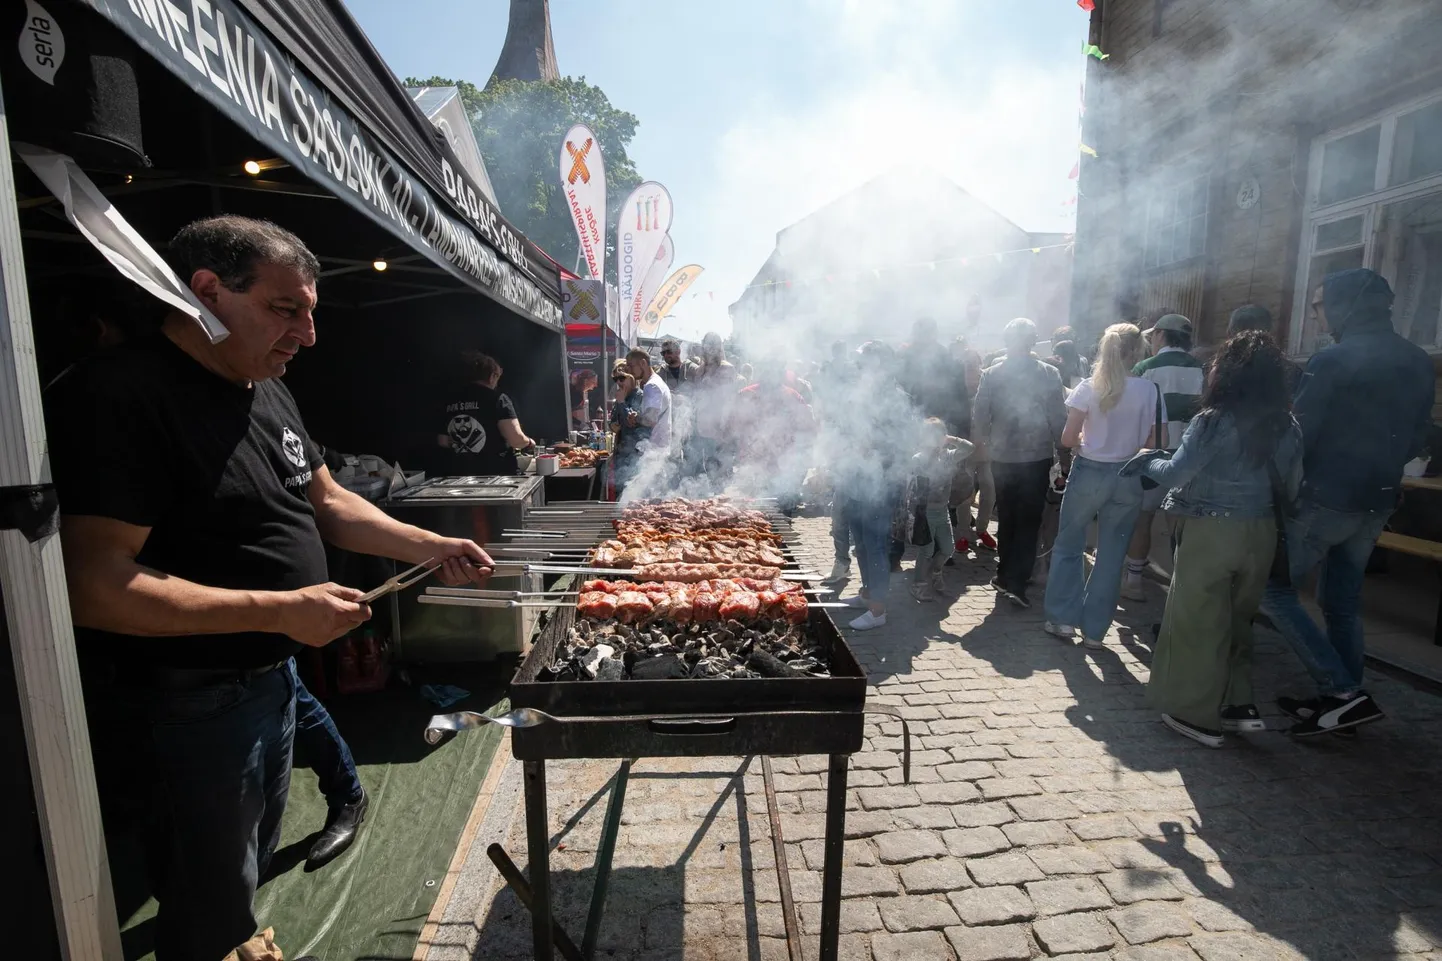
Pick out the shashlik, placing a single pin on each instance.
(681, 514)
(701, 603)
(579, 457)
(691, 573)
(619, 553)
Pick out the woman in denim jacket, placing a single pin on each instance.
(1221, 489)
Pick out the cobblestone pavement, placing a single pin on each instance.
(1049, 815)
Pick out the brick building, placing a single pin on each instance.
(1246, 148)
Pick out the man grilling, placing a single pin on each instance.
(194, 506)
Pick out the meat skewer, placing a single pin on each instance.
(686, 573)
(684, 605)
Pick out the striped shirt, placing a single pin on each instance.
(1181, 378)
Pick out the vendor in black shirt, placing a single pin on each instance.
(482, 432)
(194, 505)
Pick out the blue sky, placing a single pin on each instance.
(755, 113)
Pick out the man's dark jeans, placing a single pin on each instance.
(203, 773)
(1020, 504)
(326, 752)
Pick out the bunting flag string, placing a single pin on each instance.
(1089, 151)
(1092, 50)
(1087, 5)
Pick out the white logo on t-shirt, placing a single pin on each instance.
(466, 434)
(290, 442)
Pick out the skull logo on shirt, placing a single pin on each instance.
(294, 449)
(466, 434)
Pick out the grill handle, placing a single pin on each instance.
(692, 726)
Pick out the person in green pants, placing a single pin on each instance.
(1239, 466)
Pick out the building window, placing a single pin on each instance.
(1176, 223)
(1375, 200)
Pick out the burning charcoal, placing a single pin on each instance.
(592, 659)
(663, 668)
(768, 666)
(582, 627)
(610, 669)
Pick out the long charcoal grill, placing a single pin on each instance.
(691, 717)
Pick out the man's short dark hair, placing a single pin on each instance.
(638, 353)
(1179, 339)
(233, 247)
(479, 366)
(1249, 317)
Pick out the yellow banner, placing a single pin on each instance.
(670, 293)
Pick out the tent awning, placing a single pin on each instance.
(302, 78)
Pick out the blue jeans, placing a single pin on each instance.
(1094, 491)
(204, 773)
(840, 530)
(1341, 543)
(324, 748)
(870, 526)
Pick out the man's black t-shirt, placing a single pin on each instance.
(472, 417)
(145, 435)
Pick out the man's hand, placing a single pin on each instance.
(465, 562)
(317, 615)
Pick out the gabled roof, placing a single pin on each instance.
(446, 111)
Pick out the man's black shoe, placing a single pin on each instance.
(1299, 708)
(341, 827)
(1334, 715)
(1017, 598)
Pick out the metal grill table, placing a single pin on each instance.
(691, 717)
(632, 719)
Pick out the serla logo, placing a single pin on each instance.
(579, 170)
(42, 45)
(290, 442)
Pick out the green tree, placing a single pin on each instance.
(519, 125)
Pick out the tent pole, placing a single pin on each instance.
(42, 641)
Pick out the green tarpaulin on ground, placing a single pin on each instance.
(370, 904)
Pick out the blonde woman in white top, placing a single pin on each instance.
(1110, 416)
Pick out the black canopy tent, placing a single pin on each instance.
(341, 157)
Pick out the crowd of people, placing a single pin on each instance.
(1256, 472)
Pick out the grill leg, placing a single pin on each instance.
(832, 855)
(605, 852)
(538, 853)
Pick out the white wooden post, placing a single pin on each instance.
(42, 641)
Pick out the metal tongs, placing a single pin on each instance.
(404, 579)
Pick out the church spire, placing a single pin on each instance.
(528, 53)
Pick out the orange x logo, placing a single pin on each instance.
(584, 303)
(578, 162)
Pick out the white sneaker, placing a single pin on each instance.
(857, 601)
(1094, 643)
(868, 621)
(1064, 631)
(1132, 588)
(839, 572)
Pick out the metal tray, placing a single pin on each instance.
(691, 717)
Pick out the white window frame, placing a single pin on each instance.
(1171, 187)
(1369, 204)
